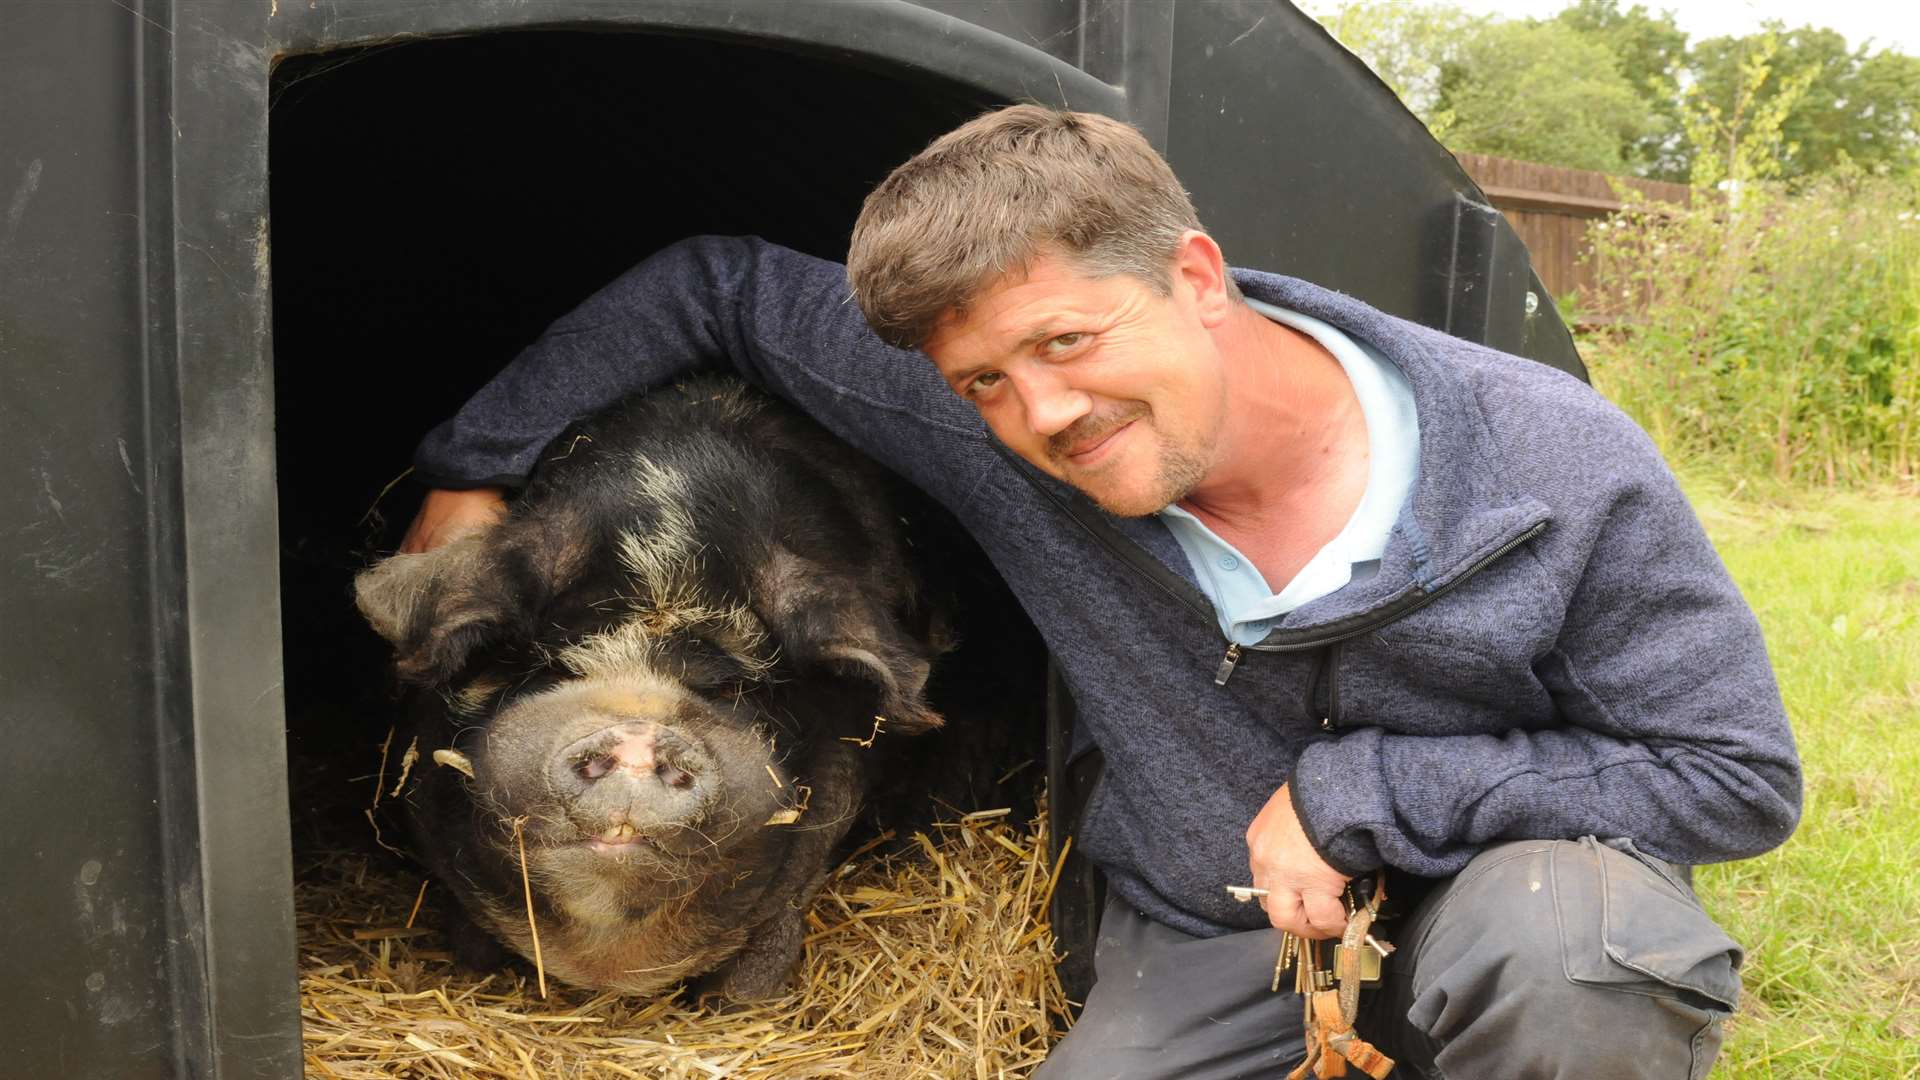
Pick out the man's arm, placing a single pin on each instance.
(782, 320)
(1674, 733)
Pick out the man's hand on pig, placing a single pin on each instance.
(1303, 892)
(445, 514)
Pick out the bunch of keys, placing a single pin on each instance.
(1292, 945)
(1332, 992)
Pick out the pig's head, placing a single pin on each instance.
(656, 671)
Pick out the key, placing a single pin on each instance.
(1289, 949)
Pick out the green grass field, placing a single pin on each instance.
(1831, 921)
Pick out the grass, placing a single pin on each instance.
(1831, 920)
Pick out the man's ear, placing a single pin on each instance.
(1200, 269)
(436, 608)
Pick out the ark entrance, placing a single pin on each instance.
(435, 204)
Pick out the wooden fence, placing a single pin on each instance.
(1551, 208)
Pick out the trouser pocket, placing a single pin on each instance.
(1628, 924)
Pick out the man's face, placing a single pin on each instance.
(1100, 382)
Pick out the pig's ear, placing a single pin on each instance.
(821, 619)
(896, 669)
(435, 608)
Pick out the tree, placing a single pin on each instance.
(1744, 141)
(1542, 91)
(1618, 89)
(1856, 106)
(1406, 44)
(1547, 92)
(1652, 53)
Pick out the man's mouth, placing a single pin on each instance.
(1086, 451)
(1088, 439)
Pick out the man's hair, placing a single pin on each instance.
(987, 197)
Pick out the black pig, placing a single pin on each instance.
(662, 670)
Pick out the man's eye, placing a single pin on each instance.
(1065, 341)
(983, 381)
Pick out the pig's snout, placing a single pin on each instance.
(637, 773)
(638, 750)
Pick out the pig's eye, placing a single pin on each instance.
(707, 668)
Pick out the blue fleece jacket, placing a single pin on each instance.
(1551, 648)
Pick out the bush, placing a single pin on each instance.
(1768, 333)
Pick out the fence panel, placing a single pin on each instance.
(1551, 208)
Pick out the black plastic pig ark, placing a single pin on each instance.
(659, 675)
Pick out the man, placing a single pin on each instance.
(1333, 592)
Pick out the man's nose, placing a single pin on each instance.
(1051, 404)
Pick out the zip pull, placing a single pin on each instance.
(1225, 671)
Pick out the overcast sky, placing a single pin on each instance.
(1889, 23)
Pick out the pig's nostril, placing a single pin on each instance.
(593, 766)
(673, 776)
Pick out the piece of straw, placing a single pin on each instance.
(417, 901)
(406, 766)
(526, 886)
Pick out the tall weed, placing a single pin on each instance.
(1769, 333)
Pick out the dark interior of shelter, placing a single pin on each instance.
(435, 204)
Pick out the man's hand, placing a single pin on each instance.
(1303, 892)
(446, 514)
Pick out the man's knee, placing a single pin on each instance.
(1550, 958)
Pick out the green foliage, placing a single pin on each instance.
(1549, 92)
(1745, 141)
(1831, 920)
(1773, 335)
(1651, 51)
(1541, 91)
(1556, 90)
(1850, 105)
(1774, 324)
(1408, 45)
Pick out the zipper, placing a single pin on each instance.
(1326, 670)
(1332, 719)
(1393, 612)
(1227, 663)
(1310, 700)
(1144, 564)
(1407, 603)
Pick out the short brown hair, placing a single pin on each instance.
(987, 197)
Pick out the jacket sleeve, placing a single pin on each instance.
(1671, 729)
(780, 319)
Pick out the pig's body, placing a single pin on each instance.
(675, 642)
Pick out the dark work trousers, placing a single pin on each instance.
(1541, 959)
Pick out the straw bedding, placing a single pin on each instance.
(932, 961)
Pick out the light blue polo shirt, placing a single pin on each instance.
(1247, 606)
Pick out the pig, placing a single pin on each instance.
(668, 674)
